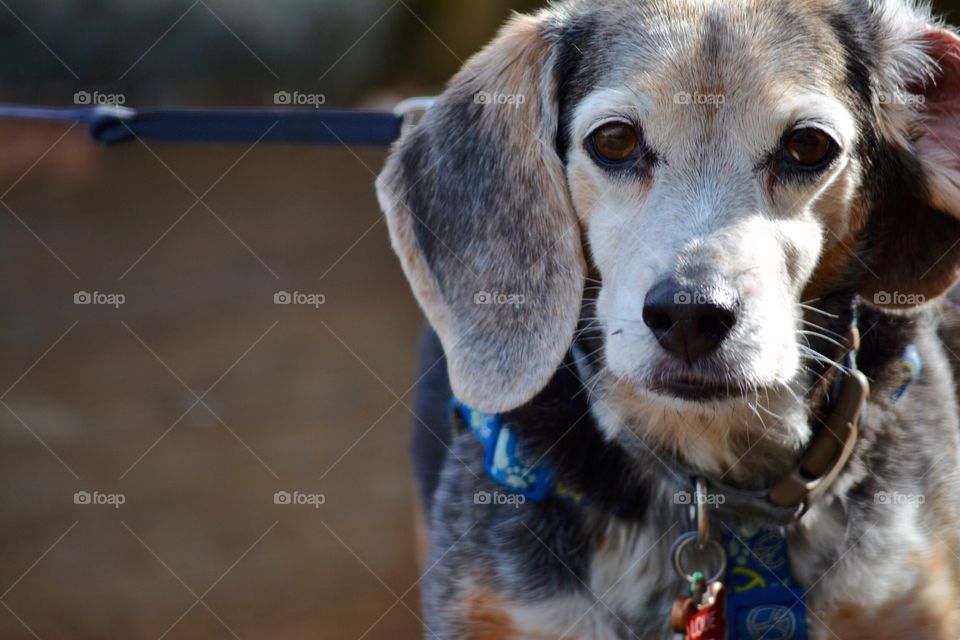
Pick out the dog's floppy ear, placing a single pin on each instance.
(916, 217)
(480, 215)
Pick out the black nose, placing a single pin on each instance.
(690, 321)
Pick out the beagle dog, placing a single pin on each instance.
(664, 248)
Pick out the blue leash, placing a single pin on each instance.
(763, 601)
(112, 124)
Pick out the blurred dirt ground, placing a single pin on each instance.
(96, 398)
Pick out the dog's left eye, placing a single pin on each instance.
(810, 148)
(615, 143)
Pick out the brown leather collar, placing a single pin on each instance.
(833, 444)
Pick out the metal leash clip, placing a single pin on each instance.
(704, 547)
(700, 615)
(412, 110)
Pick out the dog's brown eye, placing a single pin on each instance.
(616, 142)
(809, 147)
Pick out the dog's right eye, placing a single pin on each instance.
(809, 147)
(615, 143)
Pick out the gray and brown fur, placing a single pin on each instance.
(504, 199)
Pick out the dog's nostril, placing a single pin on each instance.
(690, 321)
(717, 320)
(657, 319)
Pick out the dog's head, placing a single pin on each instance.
(702, 173)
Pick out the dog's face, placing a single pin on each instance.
(707, 233)
(716, 167)
(710, 177)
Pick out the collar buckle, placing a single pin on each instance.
(412, 111)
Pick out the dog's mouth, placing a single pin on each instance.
(695, 389)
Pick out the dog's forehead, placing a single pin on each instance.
(734, 45)
(791, 35)
(730, 64)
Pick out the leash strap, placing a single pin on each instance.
(110, 125)
(763, 601)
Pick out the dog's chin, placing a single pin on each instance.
(700, 391)
(714, 381)
(722, 427)
(687, 397)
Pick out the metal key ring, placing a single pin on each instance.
(684, 541)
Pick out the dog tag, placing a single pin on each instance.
(685, 606)
(708, 622)
(683, 610)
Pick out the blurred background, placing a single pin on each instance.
(186, 408)
(144, 440)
